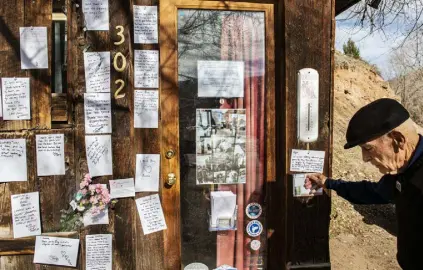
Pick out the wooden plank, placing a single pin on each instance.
(308, 43)
(11, 18)
(59, 107)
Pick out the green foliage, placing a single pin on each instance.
(351, 49)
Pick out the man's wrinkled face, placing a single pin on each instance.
(382, 154)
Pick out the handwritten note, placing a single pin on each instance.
(99, 155)
(146, 72)
(98, 116)
(307, 161)
(1, 103)
(147, 172)
(50, 154)
(56, 250)
(16, 99)
(13, 160)
(34, 48)
(220, 79)
(96, 13)
(145, 24)
(146, 112)
(98, 254)
(122, 188)
(26, 214)
(151, 214)
(97, 71)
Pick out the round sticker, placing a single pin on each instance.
(253, 210)
(196, 266)
(255, 245)
(254, 228)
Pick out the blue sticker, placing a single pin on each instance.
(254, 228)
(253, 210)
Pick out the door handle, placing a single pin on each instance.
(171, 179)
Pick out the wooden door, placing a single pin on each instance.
(223, 139)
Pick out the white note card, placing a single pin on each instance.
(147, 172)
(13, 160)
(98, 254)
(98, 113)
(146, 74)
(146, 109)
(307, 161)
(97, 71)
(34, 48)
(56, 250)
(96, 13)
(26, 214)
(145, 24)
(50, 154)
(122, 188)
(99, 155)
(151, 214)
(220, 79)
(16, 98)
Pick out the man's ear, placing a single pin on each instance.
(398, 139)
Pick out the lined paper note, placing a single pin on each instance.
(146, 74)
(96, 14)
(145, 24)
(122, 188)
(98, 117)
(26, 214)
(16, 99)
(50, 154)
(151, 214)
(98, 255)
(99, 155)
(13, 160)
(34, 48)
(146, 109)
(147, 172)
(56, 251)
(97, 71)
(307, 161)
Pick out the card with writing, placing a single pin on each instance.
(145, 24)
(307, 161)
(56, 251)
(50, 154)
(146, 73)
(16, 98)
(26, 214)
(122, 188)
(146, 109)
(98, 116)
(147, 172)
(96, 14)
(97, 72)
(99, 154)
(13, 166)
(34, 48)
(151, 214)
(98, 254)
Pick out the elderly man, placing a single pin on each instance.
(389, 141)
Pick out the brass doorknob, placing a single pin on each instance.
(171, 179)
(170, 154)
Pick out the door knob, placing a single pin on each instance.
(171, 179)
(170, 154)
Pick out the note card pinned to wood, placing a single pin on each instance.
(96, 14)
(26, 214)
(122, 188)
(98, 255)
(56, 251)
(145, 24)
(99, 155)
(151, 214)
(146, 74)
(307, 161)
(147, 172)
(97, 72)
(13, 160)
(16, 98)
(146, 109)
(98, 113)
(34, 48)
(50, 154)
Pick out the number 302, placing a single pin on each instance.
(123, 65)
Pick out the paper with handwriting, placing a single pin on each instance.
(13, 160)
(99, 155)
(34, 48)
(97, 71)
(146, 74)
(96, 14)
(151, 214)
(26, 214)
(50, 154)
(98, 113)
(56, 251)
(307, 161)
(145, 24)
(98, 254)
(122, 188)
(146, 109)
(147, 172)
(16, 98)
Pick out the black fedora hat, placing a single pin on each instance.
(374, 120)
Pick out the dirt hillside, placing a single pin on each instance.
(362, 237)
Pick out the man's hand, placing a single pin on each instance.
(314, 181)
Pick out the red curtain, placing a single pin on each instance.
(243, 40)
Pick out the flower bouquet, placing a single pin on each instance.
(90, 197)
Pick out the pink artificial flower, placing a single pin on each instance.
(93, 200)
(83, 184)
(84, 192)
(98, 188)
(87, 178)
